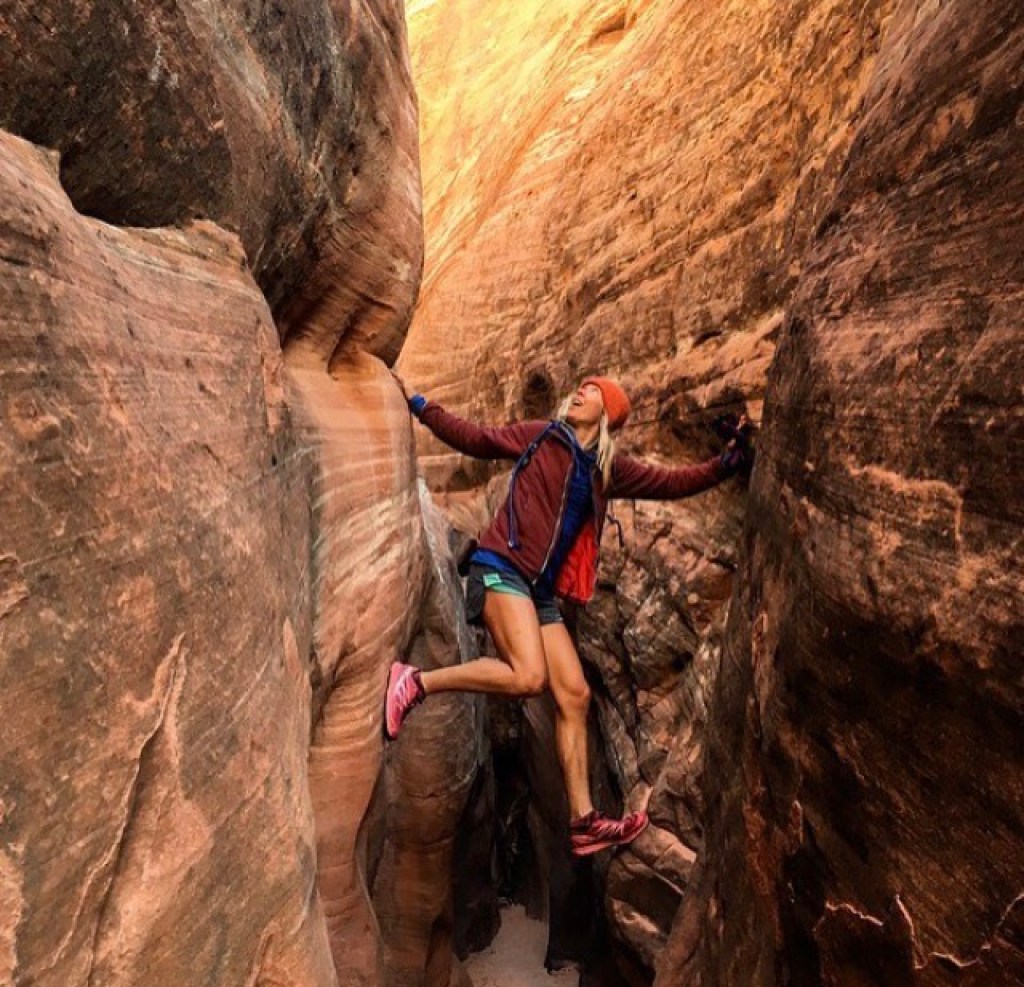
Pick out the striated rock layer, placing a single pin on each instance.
(375, 597)
(629, 188)
(293, 125)
(417, 817)
(154, 810)
(865, 814)
(214, 547)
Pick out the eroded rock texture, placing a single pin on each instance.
(374, 599)
(418, 809)
(865, 811)
(629, 189)
(214, 546)
(292, 124)
(155, 814)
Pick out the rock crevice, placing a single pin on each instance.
(808, 213)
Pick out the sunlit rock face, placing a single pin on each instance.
(864, 815)
(629, 189)
(215, 544)
(371, 568)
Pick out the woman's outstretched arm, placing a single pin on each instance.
(480, 441)
(635, 479)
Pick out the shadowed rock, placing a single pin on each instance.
(864, 815)
(293, 125)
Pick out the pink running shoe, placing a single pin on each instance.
(404, 691)
(595, 831)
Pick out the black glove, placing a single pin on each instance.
(737, 433)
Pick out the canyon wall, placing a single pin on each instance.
(865, 814)
(215, 541)
(644, 189)
(155, 815)
(294, 126)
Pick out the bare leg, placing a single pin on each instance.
(521, 669)
(572, 698)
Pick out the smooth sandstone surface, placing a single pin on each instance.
(414, 829)
(216, 546)
(217, 549)
(155, 814)
(293, 125)
(372, 594)
(215, 541)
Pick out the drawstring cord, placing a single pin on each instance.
(524, 459)
(513, 529)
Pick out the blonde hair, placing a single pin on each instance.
(605, 442)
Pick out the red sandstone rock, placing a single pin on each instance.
(422, 792)
(292, 124)
(865, 822)
(214, 552)
(155, 818)
(369, 567)
(225, 549)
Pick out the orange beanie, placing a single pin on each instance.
(616, 404)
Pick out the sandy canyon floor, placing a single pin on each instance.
(516, 957)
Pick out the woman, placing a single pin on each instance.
(543, 544)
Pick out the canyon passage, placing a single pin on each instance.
(224, 224)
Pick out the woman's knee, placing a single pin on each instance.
(531, 681)
(573, 698)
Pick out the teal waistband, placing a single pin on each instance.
(496, 581)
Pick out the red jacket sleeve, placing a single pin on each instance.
(633, 479)
(480, 441)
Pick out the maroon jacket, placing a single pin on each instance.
(541, 488)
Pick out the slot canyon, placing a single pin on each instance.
(231, 229)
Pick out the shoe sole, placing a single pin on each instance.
(600, 845)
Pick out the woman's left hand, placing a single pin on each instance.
(739, 453)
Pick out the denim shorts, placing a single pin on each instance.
(486, 578)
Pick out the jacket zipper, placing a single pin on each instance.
(558, 520)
